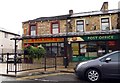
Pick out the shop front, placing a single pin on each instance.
(53, 46)
(92, 46)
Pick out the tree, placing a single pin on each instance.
(34, 52)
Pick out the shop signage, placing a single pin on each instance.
(43, 40)
(103, 37)
(95, 37)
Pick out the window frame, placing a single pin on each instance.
(35, 30)
(55, 22)
(104, 58)
(109, 22)
(84, 27)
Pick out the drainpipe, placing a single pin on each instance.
(66, 59)
(15, 57)
(65, 52)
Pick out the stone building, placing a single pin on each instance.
(77, 36)
(6, 45)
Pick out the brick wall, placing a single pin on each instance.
(45, 27)
(95, 21)
(114, 21)
(118, 20)
(25, 28)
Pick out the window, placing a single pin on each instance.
(105, 24)
(33, 30)
(114, 57)
(55, 49)
(55, 28)
(75, 48)
(80, 25)
(6, 35)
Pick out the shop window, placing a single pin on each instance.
(112, 46)
(92, 49)
(105, 25)
(33, 30)
(55, 28)
(80, 25)
(75, 48)
(83, 48)
(61, 49)
(54, 49)
(111, 43)
(101, 46)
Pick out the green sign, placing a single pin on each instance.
(100, 37)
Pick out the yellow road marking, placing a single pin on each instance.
(40, 76)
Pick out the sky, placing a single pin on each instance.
(14, 12)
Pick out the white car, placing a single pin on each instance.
(11, 58)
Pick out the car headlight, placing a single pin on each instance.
(80, 64)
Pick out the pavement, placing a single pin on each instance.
(7, 78)
(33, 74)
(35, 77)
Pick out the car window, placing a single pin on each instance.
(114, 57)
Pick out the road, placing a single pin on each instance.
(70, 78)
(52, 78)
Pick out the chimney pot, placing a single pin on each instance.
(70, 12)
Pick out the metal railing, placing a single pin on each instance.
(22, 63)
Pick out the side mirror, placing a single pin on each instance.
(107, 59)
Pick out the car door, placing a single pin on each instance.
(119, 64)
(110, 68)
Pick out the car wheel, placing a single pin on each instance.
(93, 75)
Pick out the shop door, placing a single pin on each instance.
(102, 48)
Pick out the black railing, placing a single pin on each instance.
(22, 63)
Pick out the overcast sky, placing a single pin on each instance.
(14, 12)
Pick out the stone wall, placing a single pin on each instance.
(91, 21)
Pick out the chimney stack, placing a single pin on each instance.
(70, 12)
(104, 6)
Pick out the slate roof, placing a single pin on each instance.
(5, 31)
(81, 14)
(92, 13)
(61, 17)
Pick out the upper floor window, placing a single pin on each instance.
(33, 30)
(80, 25)
(6, 35)
(55, 28)
(105, 25)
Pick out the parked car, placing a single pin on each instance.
(11, 58)
(107, 66)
